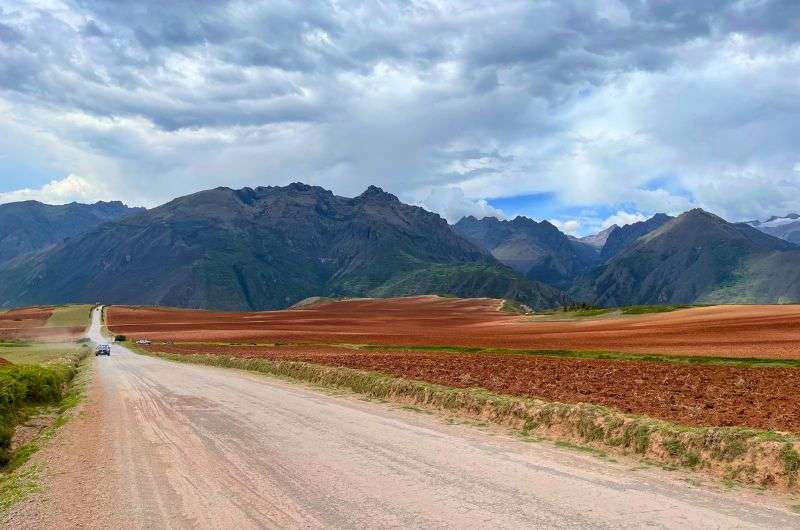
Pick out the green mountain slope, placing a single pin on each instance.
(539, 251)
(623, 237)
(30, 226)
(768, 279)
(254, 249)
(688, 259)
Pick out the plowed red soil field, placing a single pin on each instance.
(727, 331)
(30, 323)
(701, 395)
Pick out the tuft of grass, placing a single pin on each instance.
(412, 408)
(795, 508)
(16, 486)
(677, 449)
(791, 462)
(582, 448)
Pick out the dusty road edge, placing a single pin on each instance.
(25, 477)
(764, 459)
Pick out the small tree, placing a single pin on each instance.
(120, 338)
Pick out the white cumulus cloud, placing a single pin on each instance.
(451, 203)
(622, 218)
(70, 188)
(571, 226)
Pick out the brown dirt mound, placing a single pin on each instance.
(728, 331)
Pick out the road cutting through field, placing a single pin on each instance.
(166, 445)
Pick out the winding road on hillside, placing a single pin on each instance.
(167, 445)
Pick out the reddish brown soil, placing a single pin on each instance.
(730, 331)
(764, 398)
(30, 324)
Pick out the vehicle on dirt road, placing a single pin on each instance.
(103, 349)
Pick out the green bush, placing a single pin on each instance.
(41, 384)
(120, 338)
(6, 433)
(24, 385)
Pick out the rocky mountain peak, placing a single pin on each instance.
(374, 193)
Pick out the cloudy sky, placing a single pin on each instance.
(582, 112)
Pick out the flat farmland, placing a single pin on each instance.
(44, 324)
(429, 339)
(767, 332)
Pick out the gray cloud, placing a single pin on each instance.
(590, 101)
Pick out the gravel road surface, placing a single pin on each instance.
(165, 445)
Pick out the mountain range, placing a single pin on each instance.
(270, 247)
(537, 250)
(265, 248)
(30, 225)
(787, 227)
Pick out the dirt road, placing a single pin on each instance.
(163, 445)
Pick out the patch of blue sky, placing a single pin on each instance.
(548, 206)
(668, 183)
(15, 175)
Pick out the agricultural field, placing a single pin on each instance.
(702, 366)
(765, 332)
(44, 324)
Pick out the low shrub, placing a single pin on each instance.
(120, 338)
(25, 385)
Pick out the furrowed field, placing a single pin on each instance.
(704, 366)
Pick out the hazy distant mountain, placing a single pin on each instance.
(265, 248)
(623, 237)
(598, 240)
(693, 258)
(787, 227)
(536, 249)
(30, 226)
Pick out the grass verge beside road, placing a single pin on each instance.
(761, 458)
(45, 386)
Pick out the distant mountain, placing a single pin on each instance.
(695, 257)
(598, 240)
(29, 226)
(623, 237)
(537, 250)
(265, 248)
(787, 228)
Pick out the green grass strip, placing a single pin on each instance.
(744, 362)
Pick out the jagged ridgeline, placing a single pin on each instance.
(265, 248)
